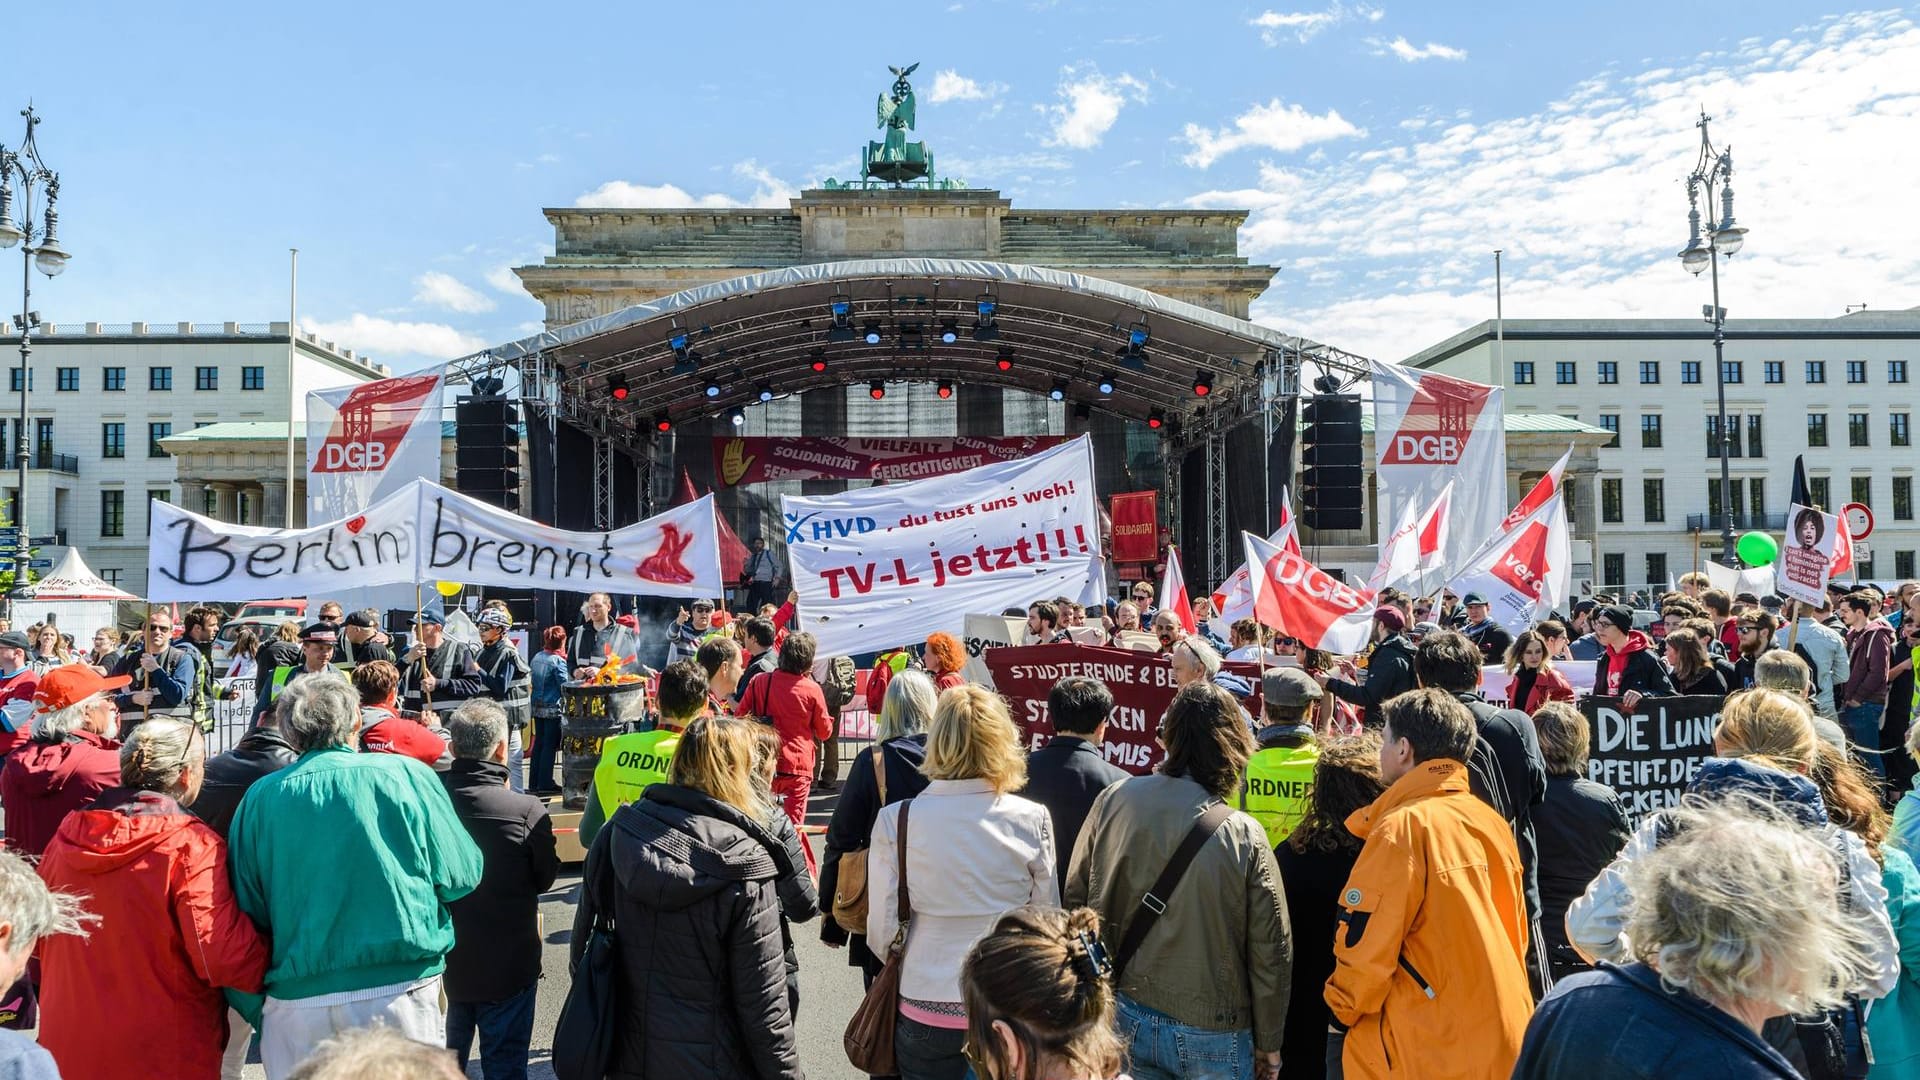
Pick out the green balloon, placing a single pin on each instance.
(1758, 549)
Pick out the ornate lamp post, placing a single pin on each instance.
(1714, 169)
(21, 172)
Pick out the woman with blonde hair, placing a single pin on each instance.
(49, 648)
(973, 851)
(1038, 1000)
(689, 874)
(1535, 682)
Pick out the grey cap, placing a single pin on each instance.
(1289, 687)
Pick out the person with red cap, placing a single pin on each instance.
(1389, 667)
(72, 756)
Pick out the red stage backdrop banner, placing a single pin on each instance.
(1136, 530)
(1141, 682)
(753, 459)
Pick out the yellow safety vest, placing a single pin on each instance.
(1279, 779)
(631, 763)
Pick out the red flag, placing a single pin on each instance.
(1303, 601)
(733, 553)
(1135, 526)
(1543, 490)
(1173, 591)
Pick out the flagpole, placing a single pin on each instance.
(1499, 323)
(293, 354)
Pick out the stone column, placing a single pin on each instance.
(273, 503)
(226, 500)
(193, 495)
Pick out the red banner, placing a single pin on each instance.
(755, 459)
(1141, 683)
(1136, 531)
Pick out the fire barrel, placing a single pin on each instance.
(592, 713)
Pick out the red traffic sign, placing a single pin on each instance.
(1859, 519)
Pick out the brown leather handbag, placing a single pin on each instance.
(869, 1036)
(850, 888)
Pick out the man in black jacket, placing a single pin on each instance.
(1630, 668)
(1490, 636)
(493, 972)
(1506, 768)
(1389, 668)
(262, 751)
(1066, 774)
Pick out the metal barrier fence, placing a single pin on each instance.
(232, 713)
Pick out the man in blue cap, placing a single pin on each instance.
(437, 674)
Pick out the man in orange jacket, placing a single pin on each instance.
(1429, 957)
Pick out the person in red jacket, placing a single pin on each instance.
(1535, 682)
(383, 730)
(945, 656)
(791, 701)
(170, 934)
(18, 682)
(70, 759)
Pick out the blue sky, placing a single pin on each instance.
(407, 149)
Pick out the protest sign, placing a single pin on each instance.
(1430, 430)
(1523, 571)
(379, 437)
(883, 565)
(1807, 557)
(1141, 683)
(1136, 527)
(988, 632)
(1648, 754)
(753, 459)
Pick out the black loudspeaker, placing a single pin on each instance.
(1333, 481)
(486, 448)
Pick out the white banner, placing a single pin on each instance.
(1429, 430)
(1526, 570)
(426, 532)
(1806, 559)
(369, 440)
(886, 565)
(988, 632)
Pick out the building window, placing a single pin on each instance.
(1650, 429)
(1649, 371)
(155, 495)
(69, 380)
(1657, 569)
(1897, 433)
(1758, 503)
(1753, 435)
(1731, 371)
(1613, 572)
(1523, 373)
(1903, 499)
(159, 378)
(111, 574)
(206, 378)
(253, 378)
(113, 440)
(1857, 429)
(1612, 505)
(156, 432)
(1714, 440)
(1820, 490)
(1816, 429)
(113, 378)
(1609, 372)
(1653, 491)
(1689, 371)
(1862, 490)
(1816, 371)
(1716, 505)
(1897, 373)
(1564, 373)
(13, 379)
(113, 512)
(1856, 371)
(1611, 421)
(1903, 564)
(1776, 371)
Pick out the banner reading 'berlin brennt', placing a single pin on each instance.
(753, 459)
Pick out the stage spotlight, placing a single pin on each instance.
(617, 387)
(943, 389)
(737, 416)
(1137, 336)
(985, 307)
(766, 392)
(819, 361)
(1106, 384)
(949, 331)
(873, 333)
(877, 389)
(712, 389)
(1202, 383)
(1005, 360)
(678, 343)
(662, 423)
(1155, 419)
(1059, 391)
(840, 307)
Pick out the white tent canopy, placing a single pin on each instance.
(73, 598)
(73, 579)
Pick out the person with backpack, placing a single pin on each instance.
(791, 701)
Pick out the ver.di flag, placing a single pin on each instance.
(1430, 430)
(371, 439)
(1234, 600)
(1543, 489)
(1526, 570)
(1303, 601)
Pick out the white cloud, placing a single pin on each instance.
(1273, 126)
(950, 85)
(1090, 105)
(769, 191)
(1586, 196)
(504, 279)
(372, 334)
(1303, 26)
(446, 291)
(1410, 52)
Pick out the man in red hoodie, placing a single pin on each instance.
(1863, 696)
(383, 730)
(1629, 669)
(70, 759)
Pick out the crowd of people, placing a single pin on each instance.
(1362, 865)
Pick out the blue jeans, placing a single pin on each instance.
(1164, 1049)
(925, 1052)
(506, 1033)
(546, 746)
(1862, 725)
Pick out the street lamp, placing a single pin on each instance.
(1714, 170)
(21, 172)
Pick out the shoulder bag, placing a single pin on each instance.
(869, 1036)
(584, 1037)
(1153, 902)
(850, 889)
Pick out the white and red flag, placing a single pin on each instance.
(1414, 548)
(1525, 570)
(1303, 601)
(1430, 430)
(1173, 591)
(1543, 489)
(371, 439)
(1233, 601)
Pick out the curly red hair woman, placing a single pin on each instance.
(944, 658)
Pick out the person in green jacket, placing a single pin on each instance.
(630, 763)
(349, 862)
